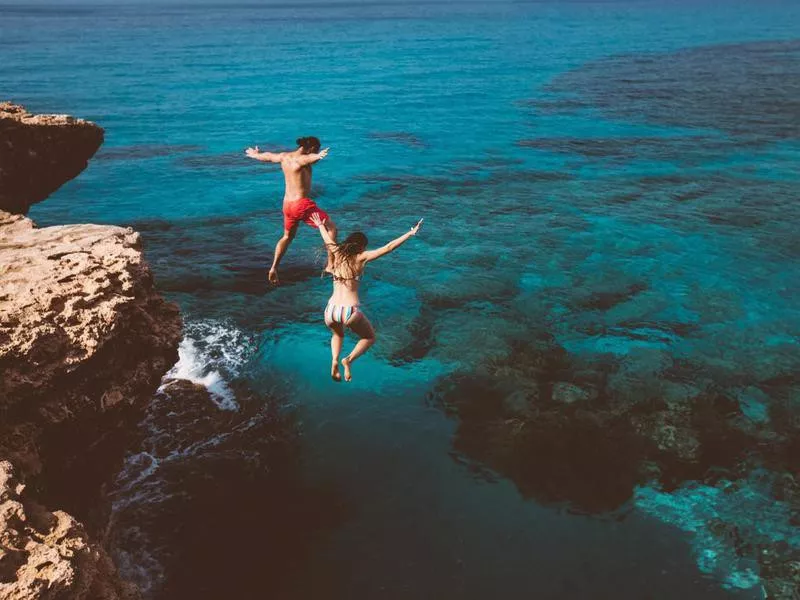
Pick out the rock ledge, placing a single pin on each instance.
(39, 153)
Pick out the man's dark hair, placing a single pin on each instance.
(309, 144)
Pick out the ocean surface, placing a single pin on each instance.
(611, 183)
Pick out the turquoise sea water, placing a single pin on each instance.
(617, 178)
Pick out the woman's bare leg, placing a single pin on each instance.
(360, 325)
(337, 339)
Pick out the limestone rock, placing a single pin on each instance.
(47, 555)
(82, 330)
(84, 342)
(39, 153)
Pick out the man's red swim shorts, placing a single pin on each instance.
(301, 210)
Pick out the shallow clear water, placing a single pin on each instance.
(619, 177)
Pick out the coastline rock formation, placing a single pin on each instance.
(47, 556)
(82, 330)
(84, 341)
(39, 153)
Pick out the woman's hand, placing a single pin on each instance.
(252, 152)
(416, 227)
(317, 220)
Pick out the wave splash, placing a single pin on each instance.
(210, 354)
(181, 427)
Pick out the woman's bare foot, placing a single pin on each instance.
(335, 371)
(348, 376)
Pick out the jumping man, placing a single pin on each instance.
(297, 205)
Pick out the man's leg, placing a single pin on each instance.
(280, 249)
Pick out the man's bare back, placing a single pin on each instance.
(296, 167)
(297, 178)
(297, 203)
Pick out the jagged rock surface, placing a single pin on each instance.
(82, 330)
(38, 153)
(47, 555)
(84, 342)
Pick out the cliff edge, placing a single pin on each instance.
(84, 341)
(83, 333)
(39, 153)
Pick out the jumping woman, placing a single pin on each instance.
(344, 311)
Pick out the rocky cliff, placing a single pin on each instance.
(48, 555)
(84, 341)
(38, 153)
(83, 334)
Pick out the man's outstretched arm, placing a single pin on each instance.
(309, 159)
(273, 157)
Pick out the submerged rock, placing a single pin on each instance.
(47, 555)
(567, 393)
(590, 435)
(542, 416)
(751, 96)
(740, 532)
(38, 153)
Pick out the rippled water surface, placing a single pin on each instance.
(610, 202)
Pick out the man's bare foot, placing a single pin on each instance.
(348, 376)
(273, 276)
(335, 371)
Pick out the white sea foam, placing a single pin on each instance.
(190, 366)
(210, 352)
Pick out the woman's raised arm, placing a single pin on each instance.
(323, 231)
(393, 245)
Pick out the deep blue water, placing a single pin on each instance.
(618, 178)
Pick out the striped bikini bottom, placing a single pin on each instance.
(337, 313)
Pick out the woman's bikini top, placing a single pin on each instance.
(343, 279)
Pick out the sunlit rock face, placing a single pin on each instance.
(84, 336)
(84, 341)
(83, 333)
